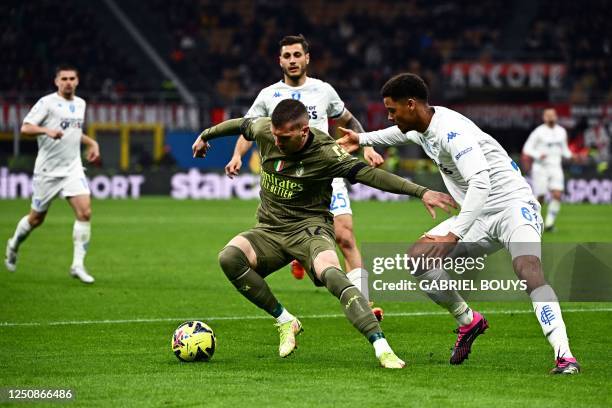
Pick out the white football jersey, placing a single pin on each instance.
(320, 98)
(461, 149)
(550, 142)
(58, 157)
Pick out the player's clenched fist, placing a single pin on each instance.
(232, 168)
(55, 133)
(200, 148)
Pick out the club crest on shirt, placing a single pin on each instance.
(431, 149)
(299, 171)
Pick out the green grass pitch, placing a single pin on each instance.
(155, 264)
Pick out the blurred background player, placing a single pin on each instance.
(57, 122)
(322, 102)
(298, 164)
(547, 146)
(497, 207)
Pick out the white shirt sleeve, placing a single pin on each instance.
(259, 108)
(475, 198)
(466, 153)
(530, 147)
(335, 105)
(386, 137)
(37, 114)
(567, 153)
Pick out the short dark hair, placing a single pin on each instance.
(66, 67)
(288, 110)
(404, 86)
(295, 39)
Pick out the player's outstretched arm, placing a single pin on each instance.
(228, 128)
(349, 141)
(391, 136)
(530, 148)
(391, 183)
(30, 129)
(232, 168)
(349, 122)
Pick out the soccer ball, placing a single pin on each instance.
(193, 341)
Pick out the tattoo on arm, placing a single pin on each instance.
(354, 125)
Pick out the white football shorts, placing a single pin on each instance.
(493, 228)
(547, 178)
(45, 189)
(340, 202)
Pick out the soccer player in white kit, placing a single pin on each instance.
(547, 147)
(497, 207)
(322, 102)
(57, 122)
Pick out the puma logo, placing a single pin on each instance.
(353, 299)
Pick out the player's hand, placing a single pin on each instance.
(232, 168)
(373, 158)
(93, 152)
(55, 133)
(200, 148)
(432, 199)
(349, 140)
(440, 245)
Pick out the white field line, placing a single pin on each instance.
(260, 317)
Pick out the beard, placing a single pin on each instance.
(294, 75)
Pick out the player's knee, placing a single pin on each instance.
(335, 281)
(84, 214)
(556, 195)
(233, 262)
(420, 248)
(345, 237)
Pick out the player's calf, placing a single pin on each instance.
(25, 225)
(236, 267)
(358, 312)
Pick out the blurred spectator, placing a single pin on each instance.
(167, 159)
(38, 35)
(224, 49)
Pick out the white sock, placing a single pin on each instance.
(359, 278)
(548, 313)
(81, 233)
(465, 318)
(451, 300)
(284, 317)
(381, 346)
(551, 214)
(21, 233)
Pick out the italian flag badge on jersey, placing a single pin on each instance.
(279, 165)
